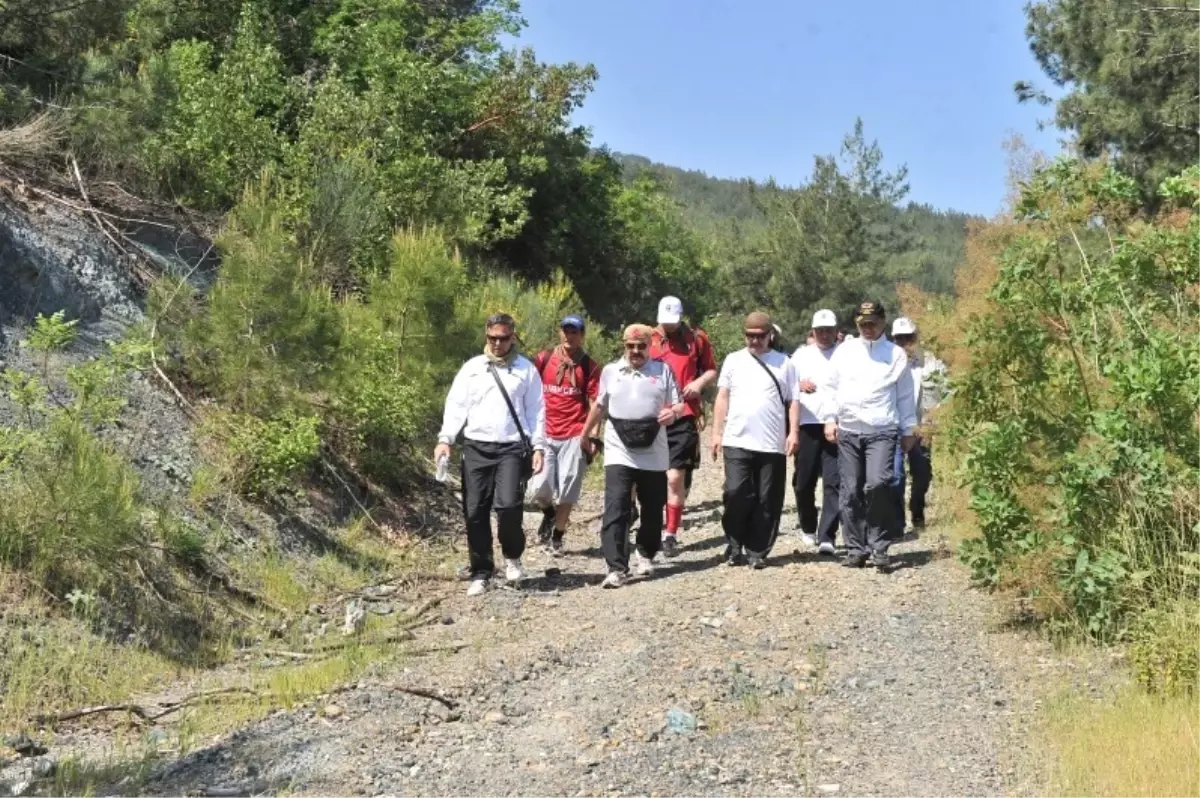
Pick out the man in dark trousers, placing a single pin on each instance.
(496, 402)
(755, 429)
(872, 413)
(639, 398)
(570, 380)
(815, 456)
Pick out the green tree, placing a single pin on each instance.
(1132, 75)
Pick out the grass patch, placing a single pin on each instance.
(1136, 744)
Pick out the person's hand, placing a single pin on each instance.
(666, 416)
(716, 447)
(691, 390)
(793, 441)
(831, 431)
(587, 444)
(807, 386)
(907, 442)
(539, 459)
(441, 449)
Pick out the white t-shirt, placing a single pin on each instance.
(756, 419)
(812, 363)
(629, 393)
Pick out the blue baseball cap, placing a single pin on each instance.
(572, 321)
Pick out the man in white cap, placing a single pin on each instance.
(689, 354)
(871, 413)
(928, 379)
(816, 456)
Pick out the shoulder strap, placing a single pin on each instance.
(778, 387)
(512, 411)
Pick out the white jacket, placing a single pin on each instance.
(929, 382)
(811, 362)
(475, 406)
(872, 388)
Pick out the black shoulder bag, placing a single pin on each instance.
(778, 387)
(526, 445)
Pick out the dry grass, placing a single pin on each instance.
(1136, 744)
(32, 139)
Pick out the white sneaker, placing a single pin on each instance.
(478, 587)
(613, 580)
(642, 566)
(513, 571)
(809, 540)
(826, 549)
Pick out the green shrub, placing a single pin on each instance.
(1163, 651)
(270, 455)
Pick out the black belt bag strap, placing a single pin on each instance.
(636, 433)
(526, 446)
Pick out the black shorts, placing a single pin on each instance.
(683, 439)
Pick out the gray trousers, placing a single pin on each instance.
(867, 464)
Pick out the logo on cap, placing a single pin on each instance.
(869, 308)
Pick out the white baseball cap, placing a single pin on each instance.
(904, 326)
(824, 318)
(670, 310)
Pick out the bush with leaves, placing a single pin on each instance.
(1077, 407)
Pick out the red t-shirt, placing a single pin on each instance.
(565, 410)
(689, 355)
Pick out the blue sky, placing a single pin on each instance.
(755, 88)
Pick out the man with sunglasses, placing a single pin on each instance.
(871, 413)
(570, 380)
(496, 402)
(640, 399)
(928, 379)
(755, 428)
(689, 354)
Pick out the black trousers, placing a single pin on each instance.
(619, 482)
(868, 463)
(491, 478)
(921, 466)
(754, 486)
(816, 457)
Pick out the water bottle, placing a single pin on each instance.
(443, 468)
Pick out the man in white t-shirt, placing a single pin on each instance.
(929, 389)
(815, 456)
(754, 427)
(639, 397)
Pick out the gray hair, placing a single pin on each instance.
(500, 319)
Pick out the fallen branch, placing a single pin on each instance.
(425, 607)
(422, 693)
(394, 637)
(48, 718)
(272, 652)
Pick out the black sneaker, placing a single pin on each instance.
(556, 544)
(756, 561)
(547, 528)
(854, 561)
(882, 562)
(734, 557)
(670, 546)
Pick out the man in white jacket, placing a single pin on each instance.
(496, 402)
(929, 389)
(871, 413)
(815, 456)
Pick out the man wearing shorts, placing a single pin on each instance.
(570, 380)
(690, 355)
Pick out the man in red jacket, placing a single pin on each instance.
(690, 355)
(570, 380)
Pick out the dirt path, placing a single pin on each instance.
(803, 678)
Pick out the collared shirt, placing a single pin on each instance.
(811, 362)
(872, 388)
(475, 406)
(626, 392)
(756, 419)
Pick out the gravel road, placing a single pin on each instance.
(803, 678)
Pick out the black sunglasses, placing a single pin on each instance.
(499, 339)
(755, 336)
(635, 347)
